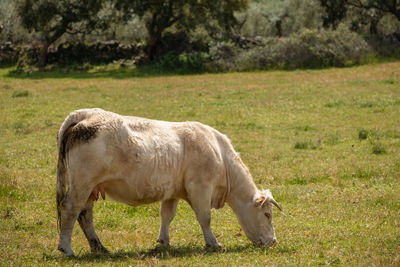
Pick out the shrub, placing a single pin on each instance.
(334, 48)
(194, 61)
(378, 148)
(185, 62)
(335, 104)
(258, 58)
(222, 56)
(301, 145)
(309, 48)
(385, 46)
(306, 145)
(363, 134)
(24, 93)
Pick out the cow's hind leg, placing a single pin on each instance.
(85, 220)
(200, 200)
(71, 206)
(167, 212)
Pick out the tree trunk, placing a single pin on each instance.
(376, 17)
(373, 27)
(43, 55)
(155, 32)
(152, 47)
(155, 28)
(278, 25)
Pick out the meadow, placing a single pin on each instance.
(326, 142)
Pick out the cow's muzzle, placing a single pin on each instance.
(265, 243)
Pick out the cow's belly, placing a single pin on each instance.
(138, 193)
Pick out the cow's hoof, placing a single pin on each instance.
(163, 243)
(97, 247)
(67, 252)
(100, 250)
(215, 246)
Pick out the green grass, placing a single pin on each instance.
(326, 142)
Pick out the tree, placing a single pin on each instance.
(371, 11)
(335, 11)
(53, 18)
(360, 17)
(376, 9)
(386, 6)
(160, 15)
(277, 14)
(281, 17)
(10, 23)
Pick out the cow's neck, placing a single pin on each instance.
(242, 187)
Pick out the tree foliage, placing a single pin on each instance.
(160, 15)
(280, 18)
(386, 6)
(335, 11)
(54, 18)
(369, 12)
(10, 22)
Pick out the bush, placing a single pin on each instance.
(183, 63)
(306, 145)
(222, 56)
(363, 134)
(378, 148)
(307, 49)
(24, 93)
(386, 46)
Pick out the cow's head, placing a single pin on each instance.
(256, 218)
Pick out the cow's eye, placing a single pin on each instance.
(267, 215)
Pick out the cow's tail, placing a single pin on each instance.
(62, 143)
(61, 186)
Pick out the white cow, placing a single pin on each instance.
(137, 161)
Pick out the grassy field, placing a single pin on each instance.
(326, 142)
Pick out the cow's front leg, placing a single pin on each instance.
(85, 220)
(167, 212)
(201, 204)
(204, 219)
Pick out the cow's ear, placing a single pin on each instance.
(259, 201)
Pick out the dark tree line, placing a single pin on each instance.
(183, 14)
(52, 19)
